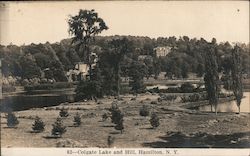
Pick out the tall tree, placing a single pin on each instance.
(119, 47)
(137, 72)
(84, 27)
(237, 75)
(211, 76)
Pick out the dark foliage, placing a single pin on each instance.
(144, 111)
(77, 119)
(38, 125)
(154, 120)
(12, 120)
(58, 127)
(63, 112)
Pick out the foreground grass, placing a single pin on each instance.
(178, 127)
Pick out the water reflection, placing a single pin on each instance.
(26, 101)
(232, 106)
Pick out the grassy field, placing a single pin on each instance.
(178, 127)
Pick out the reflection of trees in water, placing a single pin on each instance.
(178, 139)
(231, 106)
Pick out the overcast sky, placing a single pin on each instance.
(38, 22)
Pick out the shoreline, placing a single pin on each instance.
(175, 124)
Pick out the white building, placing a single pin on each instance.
(162, 51)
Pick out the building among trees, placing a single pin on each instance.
(162, 51)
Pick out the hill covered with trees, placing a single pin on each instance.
(52, 60)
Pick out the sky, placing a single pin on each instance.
(39, 22)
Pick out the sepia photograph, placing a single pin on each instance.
(151, 77)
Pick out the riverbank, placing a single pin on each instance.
(179, 127)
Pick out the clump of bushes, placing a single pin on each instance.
(168, 97)
(12, 120)
(88, 90)
(187, 88)
(144, 111)
(193, 98)
(63, 112)
(77, 119)
(8, 88)
(48, 86)
(184, 88)
(58, 128)
(154, 120)
(38, 125)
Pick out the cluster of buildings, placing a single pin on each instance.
(80, 70)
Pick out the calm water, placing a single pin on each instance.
(26, 101)
(232, 106)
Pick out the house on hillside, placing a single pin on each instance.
(78, 73)
(162, 51)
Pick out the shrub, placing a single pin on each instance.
(88, 90)
(38, 125)
(187, 88)
(168, 97)
(193, 98)
(64, 113)
(77, 119)
(8, 88)
(12, 120)
(105, 117)
(144, 111)
(58, 128)
(154, 120)
(153, 102)
(116, 116)
(110, 140)
(119, 125)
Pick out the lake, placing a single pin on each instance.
(231, 106)
(38, 99)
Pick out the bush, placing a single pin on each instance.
(153, 102)
(58, 128)
(38, 125)
(116, 114)
(119, 125)
(88, 90)
(8, 88)
(168, 97)
(12, 120)
(64, 113)
(77, 119)
(187, 88)
(105, 117)
(193, 98)
(110, 140)
(144, 111)
(154, 121)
